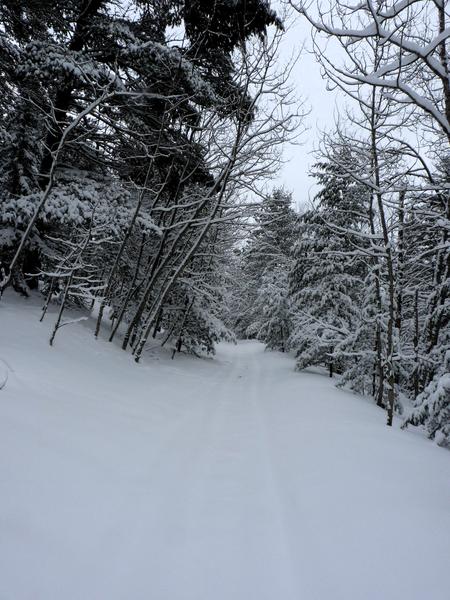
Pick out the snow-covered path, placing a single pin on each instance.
(233, 479)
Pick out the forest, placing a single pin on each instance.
(224, 299)
(139, 143)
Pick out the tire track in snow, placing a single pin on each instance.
(301, 544)
(262, 384)
(234, 498)
(157, 531)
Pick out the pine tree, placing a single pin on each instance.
(264, 263)
(102, 109)
(272, 321)
(70, 54)
(326, 281)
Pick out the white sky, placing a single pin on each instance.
(311, 86)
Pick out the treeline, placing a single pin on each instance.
(130, 136)
(318, 285)
(365, 286)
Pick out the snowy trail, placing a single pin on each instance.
(234, 511)
(216, 504)
(206, 480)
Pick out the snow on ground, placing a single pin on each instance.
(232, 479)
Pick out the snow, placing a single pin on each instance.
(228, 479)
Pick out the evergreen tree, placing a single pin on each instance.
(105, 115)
(326, 281)
(263, 264)
(272, 320)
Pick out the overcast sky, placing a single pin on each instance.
(310, 85)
